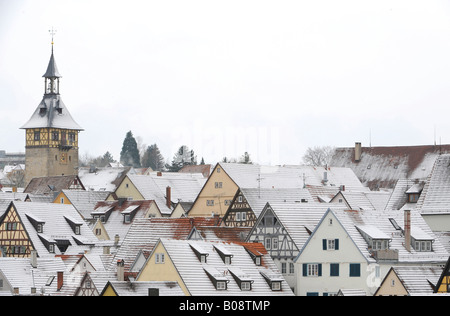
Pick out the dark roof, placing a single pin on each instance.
(52, 70)
(48, 185)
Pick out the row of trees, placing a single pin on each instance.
(150, 156)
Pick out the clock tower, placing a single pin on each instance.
(51, 133)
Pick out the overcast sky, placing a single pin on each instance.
(224, 77)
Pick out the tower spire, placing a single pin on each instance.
(52, 33)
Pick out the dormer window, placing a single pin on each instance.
(224, 254)
(199, 252)
(273, 281)
(219, 281)
(74, 224)
(40, 228)
(242, 279)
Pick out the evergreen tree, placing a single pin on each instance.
(129, 156)
(152, 158)
(182, 157)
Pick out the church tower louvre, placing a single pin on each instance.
(51, 133)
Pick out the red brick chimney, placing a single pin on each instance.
(169, 197)
(60, 280)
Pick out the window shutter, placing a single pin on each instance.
(305, 269)
(336, 244)
(324, 244)
(320, 269)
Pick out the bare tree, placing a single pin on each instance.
(318, 156)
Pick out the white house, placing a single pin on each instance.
(354, 249)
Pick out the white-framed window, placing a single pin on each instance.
(77, 230)
(159, 258)
(331, 244)
(238, 216)
(313, 270)
(268, 243)
(127, 218)
(276, 286)
(51, 248)
(275, 243)
(246, 286)
(221, 285)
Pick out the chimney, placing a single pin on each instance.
(33, 258)
(116, 240)
(408, 230)
(169, 197)
(159, 174)
(358, 151)
(60, 280)
(16, 291)
(120, 270)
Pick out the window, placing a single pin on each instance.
(221, 285)
(51, 248)
(40, 228)
(159, 258)
(355, 270)
(291, 268)
(422, 245)
(209, 202)
(62, 200)
(218, 185)
(274, 243)
(37, 136)
(413, 198)
(268, 243)
(218, 170)
(276, 286)
(77, 230)
(240, 198)
(88, 284)
(72, 137)
(312, 269)
(334, 269)
(246, 286)
(127, 218)
(283, 267)
(1, 283)
(55, 136)
(330, 244)
(98, 231)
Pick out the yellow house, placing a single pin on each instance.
(409, 280)
(443, 285)
(216, 195)
(126, 288)
(203, 268)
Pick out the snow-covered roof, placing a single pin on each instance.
(56, 226)
(141, 288)
(52, 112)
(197, 276)
(417, 279)
(382, 222)
(435, 197)
(291, 176)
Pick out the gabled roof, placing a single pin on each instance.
(383, 222)
(417, 279)
(373, 200)
(49, 185)
(20, 274)
(56, 225)
(115, 225)
(291, 176)
(198, 277)
(85, 201)
(144, 233)
(435, 197)
(258, 198)
(299, 219)
(382, 167)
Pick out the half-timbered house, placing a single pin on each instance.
(48, 228)
(284, 228)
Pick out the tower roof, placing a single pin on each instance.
(52, 70)
(52, 112)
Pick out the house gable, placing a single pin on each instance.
(216, 195)
(160, 267)
(391, 285)
(14, 239)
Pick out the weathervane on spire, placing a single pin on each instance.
(52, 33)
